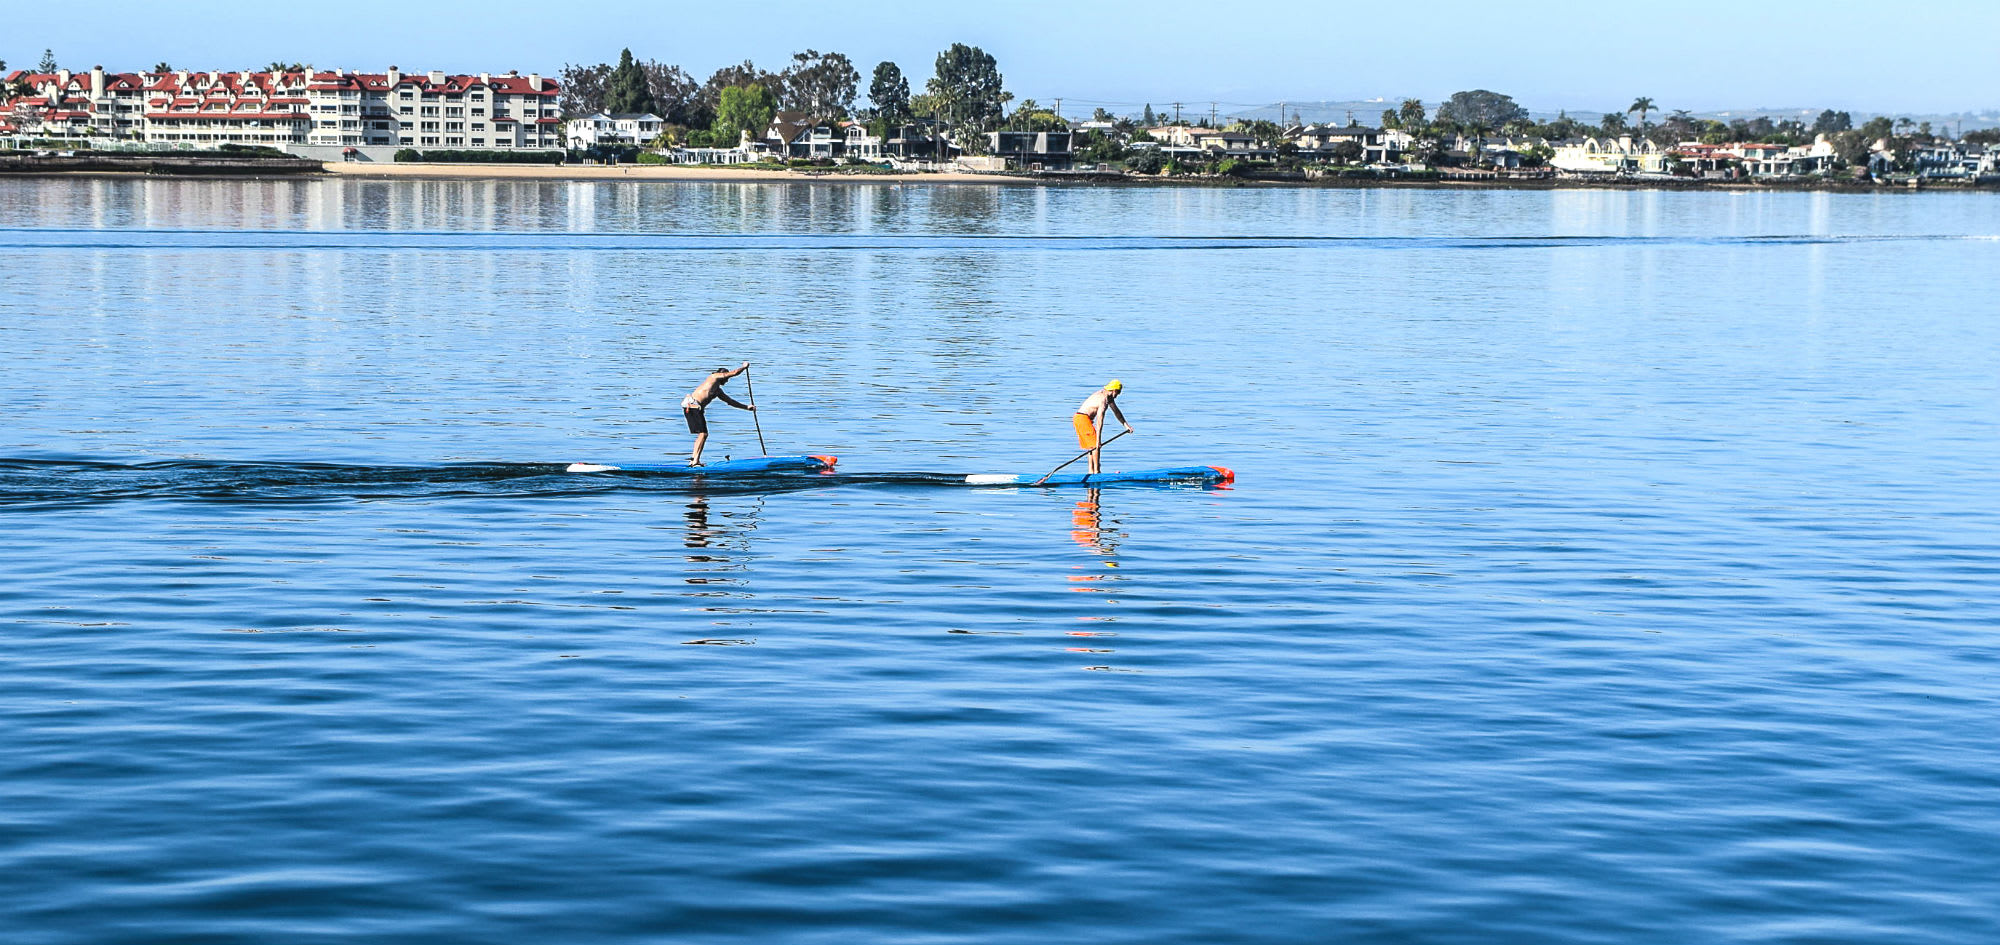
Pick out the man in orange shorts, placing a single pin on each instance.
(1089, 420)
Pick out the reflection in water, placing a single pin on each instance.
(699, 533)
(1087, 527)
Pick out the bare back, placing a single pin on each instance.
(710, 387)
(1094, 405)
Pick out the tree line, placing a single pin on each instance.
(964, 92)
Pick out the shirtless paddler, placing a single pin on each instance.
(695, 406)
(1089, 421)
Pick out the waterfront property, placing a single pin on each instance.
(330, 109)
(627, 130)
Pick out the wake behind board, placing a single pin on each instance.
(728, 467)
(1206, 475)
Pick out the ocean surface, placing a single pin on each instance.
(1602, 567)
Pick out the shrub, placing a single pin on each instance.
(479, 157)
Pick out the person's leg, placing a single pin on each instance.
(1086, 436)
(698, 425)
(1094, 467)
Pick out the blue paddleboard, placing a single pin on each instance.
(728, 467)
(1212, 475)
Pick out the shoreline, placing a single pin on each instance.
(696, 174)
(256, 169)
(656, 172)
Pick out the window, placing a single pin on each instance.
(406, 140)
(405, 95)
(403, 110)
(453, 112)
(479, 142)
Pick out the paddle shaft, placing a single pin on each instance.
(1045, 476)
(751, 390)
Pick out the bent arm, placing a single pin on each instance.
(1121, 416)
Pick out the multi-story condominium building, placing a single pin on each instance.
(434, 110)
(339, 108)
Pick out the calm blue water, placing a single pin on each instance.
(1602, 568)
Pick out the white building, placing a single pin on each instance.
(277, 109)
(1593, 156)
(623, 129)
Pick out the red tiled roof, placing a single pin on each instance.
(231, 116)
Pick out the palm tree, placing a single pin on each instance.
(1642, 105)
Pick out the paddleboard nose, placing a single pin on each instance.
(828, 460)
(1228, 474)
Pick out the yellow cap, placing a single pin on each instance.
(1115, 385)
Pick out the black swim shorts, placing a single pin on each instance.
(696, 418)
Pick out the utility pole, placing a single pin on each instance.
(1211, 114)
(1177, 113)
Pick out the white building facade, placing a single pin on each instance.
(274, 109)
(602, 128)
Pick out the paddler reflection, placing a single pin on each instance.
(1087, 526)
(699, 533)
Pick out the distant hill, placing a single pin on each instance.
(1369, 112)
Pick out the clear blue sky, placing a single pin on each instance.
(1928, 57)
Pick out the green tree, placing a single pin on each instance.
(1642, 105)
(583, 89)
(162, 66)
(1033, 117)
(967, 88)
(1347, 151)
(1612, 125)
(1480, 111)
(819, 84)
(48, 61)
(1411, 115)
(1148, 120)
(674, 92)
(709, 100)
(626, 91)
(889, 93)
(1391, 120)
(281, 66)
(1832, 122)
(743, 108)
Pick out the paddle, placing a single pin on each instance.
(752, 392)
(1045, 476)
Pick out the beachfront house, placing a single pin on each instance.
(1032, 150)
(1320, 142)
(1177, 136)
(1599, 157)
(1776, 160)
(1233, 144)
(621, 130)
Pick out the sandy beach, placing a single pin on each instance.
(662, 172)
